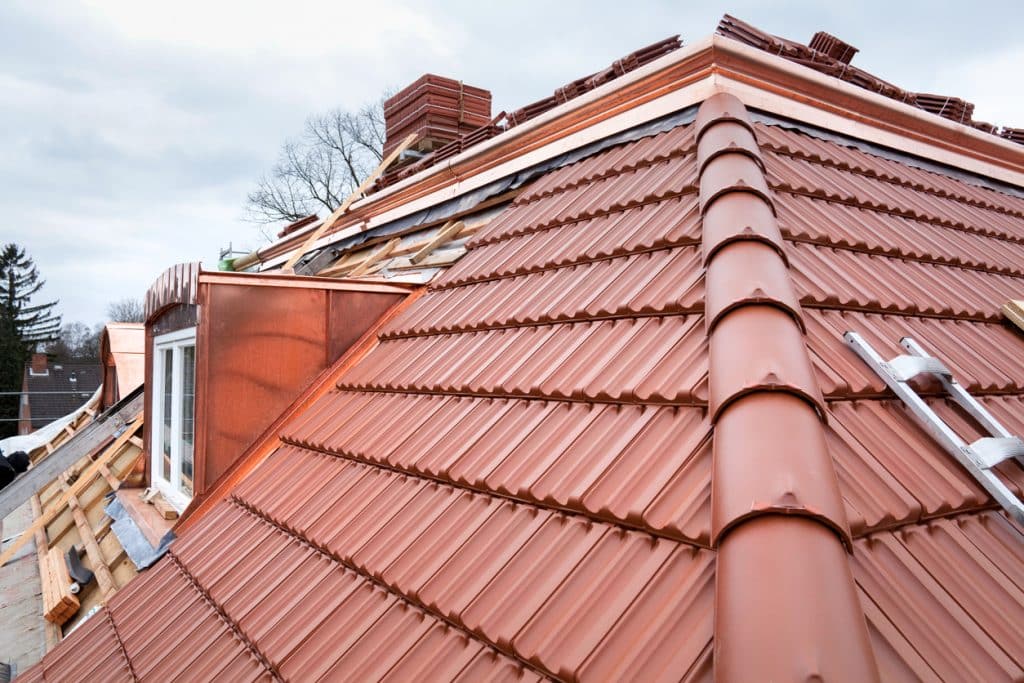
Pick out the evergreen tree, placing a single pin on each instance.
(22, 326)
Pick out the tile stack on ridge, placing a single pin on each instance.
(831, 56)
(502, 122)
(437, 109)
(619, 67)
(777, 516)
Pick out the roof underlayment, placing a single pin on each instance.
(622, 437)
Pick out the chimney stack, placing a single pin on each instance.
(437, 109)
(39, 363)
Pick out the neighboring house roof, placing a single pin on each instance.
(622, 438)
(82, 379)
(125, 344)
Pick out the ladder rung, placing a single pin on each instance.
(904, 368)
(992, 450)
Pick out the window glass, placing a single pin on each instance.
(167, 382)
(188, 403)
(174, 377)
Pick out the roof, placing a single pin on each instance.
(622, 437)
(82, 379)
(125, 344)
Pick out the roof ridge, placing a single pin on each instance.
(776, 503)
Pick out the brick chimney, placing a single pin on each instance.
(437, 109)
(39, 364)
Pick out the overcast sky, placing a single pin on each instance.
(132, 130)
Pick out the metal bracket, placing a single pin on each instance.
(978, 457)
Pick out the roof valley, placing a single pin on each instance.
(780, 529)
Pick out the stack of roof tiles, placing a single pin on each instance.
(619, 67)
(502, 122)
(622, 438)
(437, 110)
(831, 56)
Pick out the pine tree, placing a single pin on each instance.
(22, 326)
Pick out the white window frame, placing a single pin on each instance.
(171, 489)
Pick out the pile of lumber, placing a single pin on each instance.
(59, 603)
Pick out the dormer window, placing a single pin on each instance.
(173, 436)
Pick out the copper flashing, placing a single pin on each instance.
(748, 272)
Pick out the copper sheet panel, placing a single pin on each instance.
(259, 348)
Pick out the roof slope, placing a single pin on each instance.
(517, 481)
(889, 250)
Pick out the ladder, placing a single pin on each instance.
(979, 456)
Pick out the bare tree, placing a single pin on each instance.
(77, 342)
(316, 171)
(127, 310)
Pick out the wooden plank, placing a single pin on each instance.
(52, 632)
(1014, 311)
(84, 478)
(445, 234)
(376, 256)
(59, 604)
(87, 440)
(340, 211)
(99, 565)
(111, 480)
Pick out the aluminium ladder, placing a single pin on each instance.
(978, 457)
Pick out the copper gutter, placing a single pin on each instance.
(786, 604)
